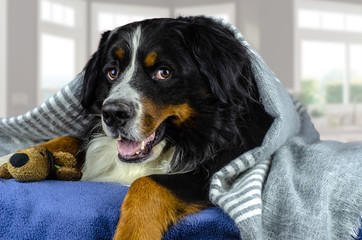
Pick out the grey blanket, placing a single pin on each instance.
(294, 186)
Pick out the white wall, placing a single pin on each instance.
(277, 38)
(269, 27)
(22, 56)
(3, 16)
(248, 21)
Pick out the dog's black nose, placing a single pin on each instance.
(117, 113)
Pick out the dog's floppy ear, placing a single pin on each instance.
(222, 60)
(93, 71)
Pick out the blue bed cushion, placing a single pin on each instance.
(87, 210)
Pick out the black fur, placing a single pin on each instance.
(94, 91)
(212, 72)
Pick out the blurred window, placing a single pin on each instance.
(225, 11)
(57, 61)
(355, 69)
(329, 67)
(107, 16)
(57, 13)
(328, 20)
(62, 48)
(323, 71)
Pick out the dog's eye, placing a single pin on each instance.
(162, 74)
(112, 74)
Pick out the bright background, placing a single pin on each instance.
(315, 48)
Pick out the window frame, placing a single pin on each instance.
(227, 8)
(340, 121)
(76, 33)
(119, 8)
(324, 35)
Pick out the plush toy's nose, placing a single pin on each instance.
(19, 160)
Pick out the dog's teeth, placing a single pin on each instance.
(119, 138)
(143, 145)
(137, 152)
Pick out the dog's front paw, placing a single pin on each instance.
(149, 209)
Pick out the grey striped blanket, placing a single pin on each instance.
(291, 187)
(60, 115)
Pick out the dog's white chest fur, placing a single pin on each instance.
(103, 165)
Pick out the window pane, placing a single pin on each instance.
(355, 74)
(105, 21)
(308, 19)
(57, 13)
(122, 19)
(354, 23)
(57, 61)
(135, 18)
(225, 11)
(69, 18)
(329, 37)
(110, 16)
(332, 21)
(45, 10)
(323, 72)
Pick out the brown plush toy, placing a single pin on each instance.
(58, 159)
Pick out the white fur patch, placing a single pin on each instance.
(124, 91)
(103, 165)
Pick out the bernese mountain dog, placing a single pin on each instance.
(177, 101)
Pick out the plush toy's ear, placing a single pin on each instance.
(222, 60)
(93, 71)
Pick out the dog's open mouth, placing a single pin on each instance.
(138, 151)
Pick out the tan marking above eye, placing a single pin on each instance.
(119, 53)
(153, 115)
(150, 59)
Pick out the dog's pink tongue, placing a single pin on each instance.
(129, 148)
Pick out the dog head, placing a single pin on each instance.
(186, 83)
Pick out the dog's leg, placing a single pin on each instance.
(150, 208)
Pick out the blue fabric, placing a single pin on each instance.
(87, 210)
(210, 224)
